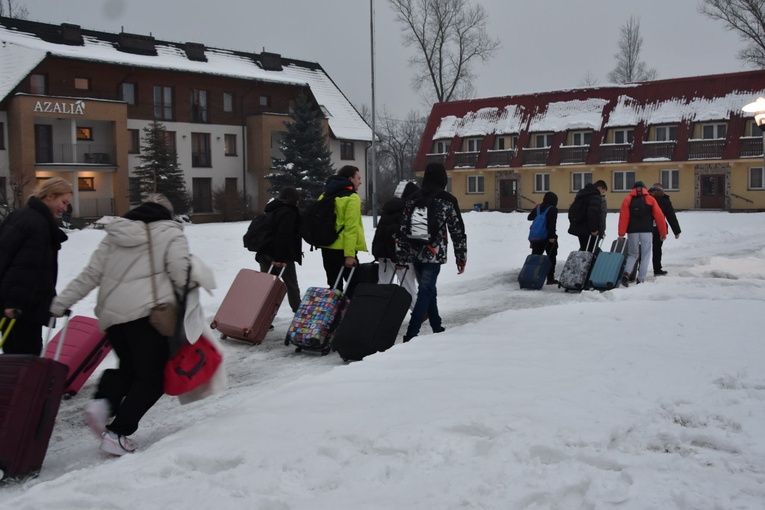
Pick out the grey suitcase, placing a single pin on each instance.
(576, 270)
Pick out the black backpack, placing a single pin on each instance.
(317, 226)
(638, 206)
(577, 212)
(260, 233)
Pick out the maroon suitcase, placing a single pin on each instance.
(30, 394)
(250, 306)
(85, 349)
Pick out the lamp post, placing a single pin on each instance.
(374, 133)
(758, 109)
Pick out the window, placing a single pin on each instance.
(228, 102)
(86, 184)
(506, 142)
(475, 184)
(43, 143)
(473, 145)
(666, 133)
(229, 145)
(84, 133)
(265, 101)
(580, 179)
(543, 140)
(623, 180)
(134, 189)
(499, 143)
(346, 150)
(198, 105)
(756, 178)
(670, 180)
(170, 141)
(127, 92)
(624, 135)
(276, 146)
(581, 137)
(82, 83)
(134, 142)
(3, 191)
(714, 131)
(441, 147)
(754, 129)
(230, 185)
(200, 150)
(541, 183)
(38, 84)
(163, 102)
(2, 136)
(201, 195)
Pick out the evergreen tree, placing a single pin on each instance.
(306, 164)
(159, 171)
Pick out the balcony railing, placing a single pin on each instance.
(500, 157)
(96, 207)
(658, 150)
(94, 154)
(435, 158)
(465, 158)
(705, 149)
(614, 152)
(536, 156)
(574, 153)
(751, 146)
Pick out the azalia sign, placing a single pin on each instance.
(71, 108)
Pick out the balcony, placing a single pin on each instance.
(572, 154)
(751, 146)
(536, 156)
(500, 157)
(465, 159)
(438, 157)
(658, 150)
(614, 152)
(202, 159)
(72, 153)
(706, 149)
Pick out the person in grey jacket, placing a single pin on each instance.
(123, 272)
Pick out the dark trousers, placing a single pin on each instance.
(24, 338)
(134, 387)
(334, 260)
(657, 242)
(585, 240)
(290, 280)
(427, 299)
(551, 249)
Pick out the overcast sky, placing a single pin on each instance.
(546, 45)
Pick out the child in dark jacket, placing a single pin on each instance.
(549, 245)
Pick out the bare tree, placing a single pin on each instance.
(13, 9)
(449, 37)
(629, 68)
(747, 17)
(588, 80)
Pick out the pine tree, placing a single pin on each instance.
(306, 165)
(159, 171)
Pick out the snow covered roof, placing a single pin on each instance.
(23, 45)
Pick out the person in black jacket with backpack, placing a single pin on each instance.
(665, 203)
(549, 245)
(585, 215)
(286, 247)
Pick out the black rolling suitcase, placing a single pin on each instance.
(30, 394)
(372, 320)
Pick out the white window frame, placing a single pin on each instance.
(545, 181)
(752, 171)
(228, 102)
(620, 180)
(441, 146)
(585, 178)
(627, 133)
(666, 135)
(475, 185)
(473, 145)
(716, 128)
(670, 179)
(585, 138)
(547, 139)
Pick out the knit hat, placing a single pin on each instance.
(550, 198)
(639, 184)
(435, 174)
(655, 187)
(409, 189)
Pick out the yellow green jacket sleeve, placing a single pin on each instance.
(348, 218)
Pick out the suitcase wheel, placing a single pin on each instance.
(287, 340)
(223, 337)
(299, 349)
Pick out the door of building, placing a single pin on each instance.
(712, 194)
(43, 143)
(508, 195)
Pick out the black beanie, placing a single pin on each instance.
(409, 189)
(550, 198)
(435, 174)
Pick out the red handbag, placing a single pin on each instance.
(193, 365)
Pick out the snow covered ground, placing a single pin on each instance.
(650, 397)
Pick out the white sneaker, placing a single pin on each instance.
(96, 416)
(117, 445)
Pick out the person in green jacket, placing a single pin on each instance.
(342, 253)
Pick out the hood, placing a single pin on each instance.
(275, 204)
(149, 212)
(336, 183)
(589, 189)
(550, 199)
(635, 191)
(129, 233)
(394, 205)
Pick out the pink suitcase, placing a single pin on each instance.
(250, 306)
(85, 348)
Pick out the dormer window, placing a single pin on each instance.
(502, 143)
(543, 140)
(473, 145)
(714, 131)
(441, 147)
(624, 135)
(581, 137)
(666, 133)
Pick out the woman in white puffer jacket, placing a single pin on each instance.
(121, 269)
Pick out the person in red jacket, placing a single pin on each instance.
(638, 213)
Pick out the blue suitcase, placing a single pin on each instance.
(534, 272)
(608, 268)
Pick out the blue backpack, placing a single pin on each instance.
(538, 229)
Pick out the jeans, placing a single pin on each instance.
(427, 276)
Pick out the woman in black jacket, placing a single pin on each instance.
(287, 246)
(30, 241)
(549, 245)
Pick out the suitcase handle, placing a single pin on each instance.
(51, 324)
(271, 268)
(340, 275)
(8, 330)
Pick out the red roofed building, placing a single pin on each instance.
(688, 134)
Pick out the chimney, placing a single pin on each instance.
(195, 51)
(71, 34)
(271, 61)
(139, 44)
